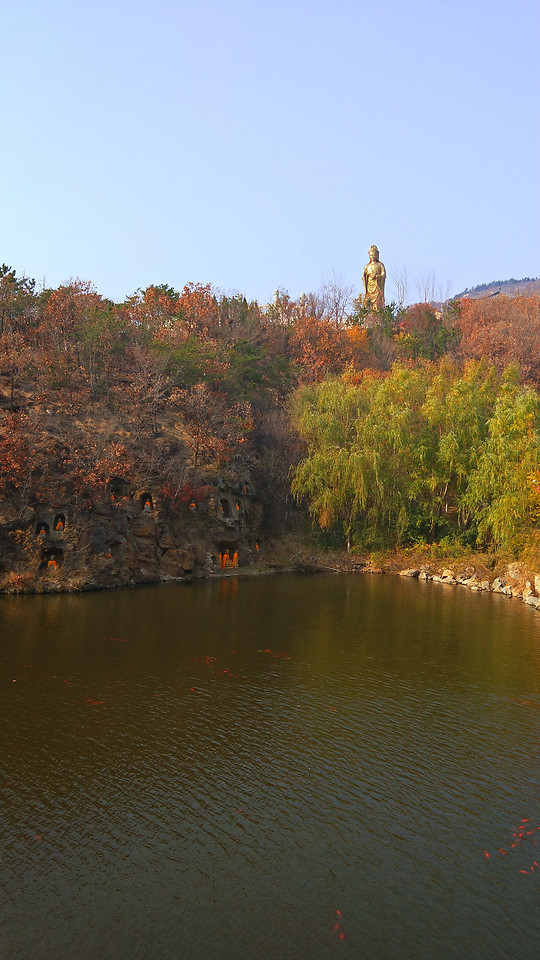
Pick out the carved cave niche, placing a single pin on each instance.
(117, 488)
(228, 554)
(59, 524)
(42, 528)
(51, 559)
(224, 507)
(146, 502)
(114, 550)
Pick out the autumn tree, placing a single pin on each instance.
(15, 465)
(65, 314)
(424, 333)
(503, 330)
(216, 429)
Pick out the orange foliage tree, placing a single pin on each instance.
(503, 330)
(320, 348)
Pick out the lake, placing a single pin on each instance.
(283, 767)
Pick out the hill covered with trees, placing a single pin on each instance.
(509, 288)
(159, 437)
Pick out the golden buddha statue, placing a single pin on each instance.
(374, 277)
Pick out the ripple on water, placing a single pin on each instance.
(241, 767)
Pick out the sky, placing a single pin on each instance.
(266, 144)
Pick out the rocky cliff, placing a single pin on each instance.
(131, 537)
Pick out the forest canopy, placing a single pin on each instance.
(418, 423)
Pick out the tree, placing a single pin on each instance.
(392, 455)
(16, 296)
(332, 475)
(504, 330)
(499, 490)
(424, 333)
(401, 283)
(337, 298)
(458, 405)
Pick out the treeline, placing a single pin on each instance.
(170, 384)
(495, 283)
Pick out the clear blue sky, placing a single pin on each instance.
(257, 145)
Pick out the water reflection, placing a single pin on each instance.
(217, 770)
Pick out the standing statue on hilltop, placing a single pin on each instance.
(374, 277)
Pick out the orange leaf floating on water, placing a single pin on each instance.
(486, 854)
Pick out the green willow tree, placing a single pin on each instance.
(499, 491)
(419, 452)
(333, 475)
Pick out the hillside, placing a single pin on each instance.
(509, 288)
(157, 438)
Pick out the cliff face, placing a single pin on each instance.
(131, 537)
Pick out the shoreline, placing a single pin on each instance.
(515, 580)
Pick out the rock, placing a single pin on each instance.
(143, 529)
(409, 572)
(537, 584)
(182, 558)
(527, 590)
(498, 585)
(171, 569)
(471, 582)
(516, 571)
(167, 541)
(446, 577)
(484, 585)
(532, 601)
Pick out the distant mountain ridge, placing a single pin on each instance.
(509, 288)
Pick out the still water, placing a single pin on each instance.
(289, 768)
